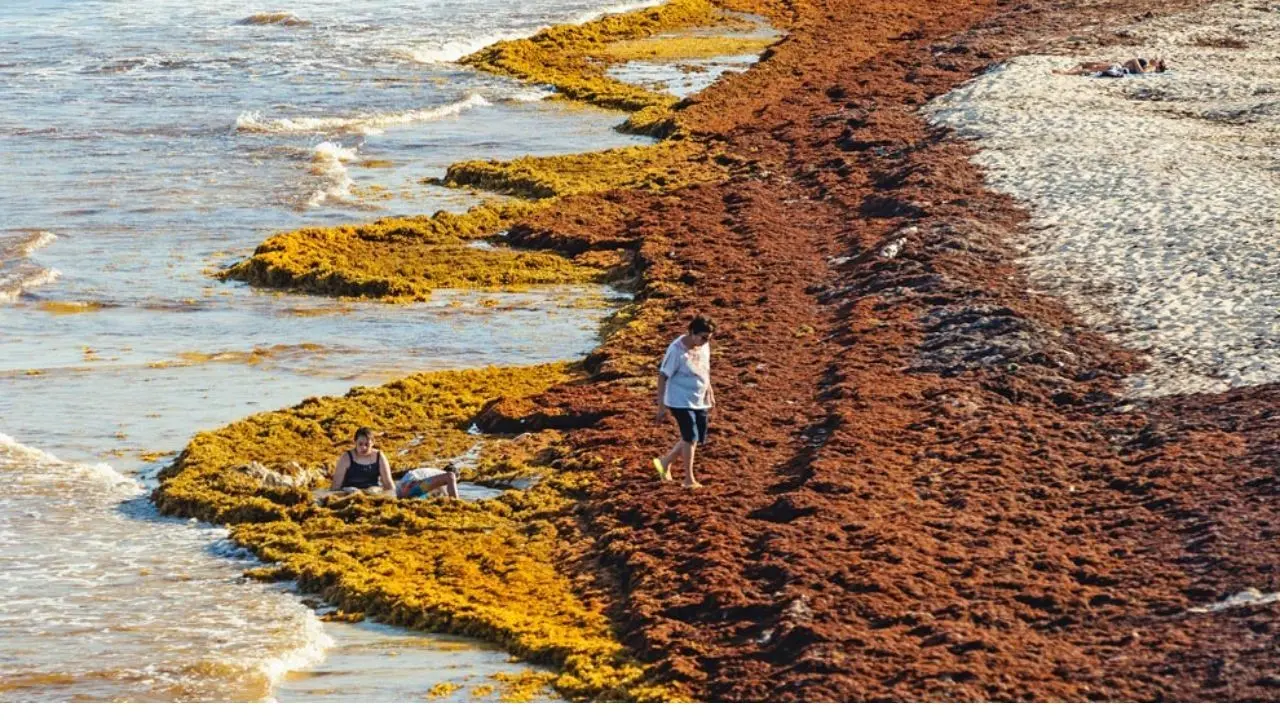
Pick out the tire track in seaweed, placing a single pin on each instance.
(949, 487)
(722, 225)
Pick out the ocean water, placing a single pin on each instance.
(120, 604)
(143, 145)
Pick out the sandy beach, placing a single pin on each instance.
(996, 366)
(1152, 199)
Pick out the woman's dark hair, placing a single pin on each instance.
(451, 468)
(365, 433)
(701, 324)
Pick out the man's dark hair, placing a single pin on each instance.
(701, 324)
(364, 432)
(451, 468)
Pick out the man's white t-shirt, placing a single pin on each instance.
(688, 374)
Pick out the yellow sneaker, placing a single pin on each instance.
(663, 473)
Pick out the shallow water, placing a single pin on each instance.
(385, 664)
(698, 74)
(144, 145)
(686, 77)
(130, 380)
(103, 600)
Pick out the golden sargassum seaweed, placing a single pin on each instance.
(486, 569)
(565, 56)
(574, 59)
(405, 259)
(665, 166)
(688, 47)
(439, 691)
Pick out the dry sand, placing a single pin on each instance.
(1155, 198)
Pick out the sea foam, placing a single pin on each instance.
(22, 461)
(328, 163)
(450, 51)
(625, 7)
(371, 124)
(206, 637)
(453, 50)
(314, 646)
(17, 273)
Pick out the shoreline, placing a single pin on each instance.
(186, 381)
(207, 484)
(953, 500)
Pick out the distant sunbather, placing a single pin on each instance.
(1132, 66)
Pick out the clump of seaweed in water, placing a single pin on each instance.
(664, 166)
(440, 691)
(574, 59)
(561, 56)
(405, 259)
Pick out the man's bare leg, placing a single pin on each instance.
(446, 481)
(677, 452)
(1088, 68)
(689, 480)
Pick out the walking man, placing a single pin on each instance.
(684, 389)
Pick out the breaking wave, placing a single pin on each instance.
(17, 273)
(24, 463)
(25, 245)
(372, 124)
(529, 96)
(328, 163)
(207, 638)
(614, 10)
(454, 50)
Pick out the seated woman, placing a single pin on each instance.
(362, 468)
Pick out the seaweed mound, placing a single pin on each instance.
(404, 259)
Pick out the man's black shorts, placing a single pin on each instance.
(693, 424)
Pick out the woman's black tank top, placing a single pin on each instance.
(360, 475)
